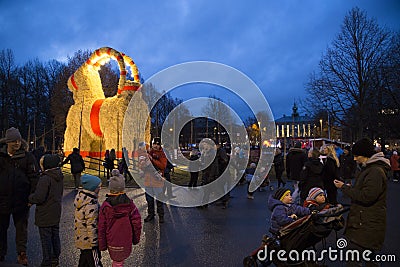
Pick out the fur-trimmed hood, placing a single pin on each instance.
(379, 158)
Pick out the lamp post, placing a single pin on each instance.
(173, 139)
(320, 122)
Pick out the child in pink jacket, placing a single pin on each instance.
(120, 223)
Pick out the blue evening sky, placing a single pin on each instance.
(275, 43)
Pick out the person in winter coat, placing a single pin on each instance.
(283, 211)
(109, 158)
(279, 167)
(154, 180)
(330, 172)
(47, 197)
(167, 175)
(86, 219)
(223, 161)
(347, 165)
(248, 174)
(18, 178)
(120, 223)
(194, 167)
(366, 221)
(210, 162)
(395, 165)
(311, 174)
(77, 166)
(295, 160)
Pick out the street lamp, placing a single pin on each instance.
(320, 122)
(173, 137)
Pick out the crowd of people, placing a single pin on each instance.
(360, 172)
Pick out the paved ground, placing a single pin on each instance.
(191, 236)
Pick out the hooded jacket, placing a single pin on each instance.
(86, 219)
(120, 226)
(280, 213)
(366, 222)
(18, 178)
(47, 197)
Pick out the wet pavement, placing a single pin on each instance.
(193, 236)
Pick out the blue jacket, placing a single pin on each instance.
(281, 212)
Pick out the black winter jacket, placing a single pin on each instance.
(76, 161)
(47, 197)
(18, 178)
(279, 165)
(330, 173)
(295, 160)
(347, 166)
(210, 161)
(310, 176)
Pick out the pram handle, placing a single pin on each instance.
(326, 213)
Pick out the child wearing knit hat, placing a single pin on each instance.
(316, 200)
(283, 210)
(120, 222)
(86, 218)
(48, 199)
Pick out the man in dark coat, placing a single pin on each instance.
(18, 178)
(295, 160)
(223, 161)
(311, 174)
(279, 166)
(366, 222)
(77, 166)
(210, 173)
(347, 165)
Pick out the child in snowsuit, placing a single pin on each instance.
(86, 219)
(120, 223)
(283, 210)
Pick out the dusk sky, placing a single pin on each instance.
(277, 44)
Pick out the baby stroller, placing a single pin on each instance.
(299, 235)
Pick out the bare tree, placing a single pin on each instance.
(7, 75)
(346, 80)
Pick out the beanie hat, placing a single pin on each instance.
(281, 193)
(90, 182)
(157, 141)
(142, 144)
(117, 182)
(395, 152)
(314, 192)
(347, 148)
(50, 161)
(364, 147)
(12, 135)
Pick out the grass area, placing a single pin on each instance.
(180, 177)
